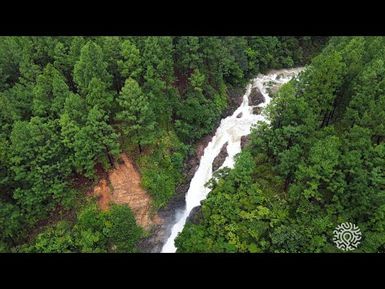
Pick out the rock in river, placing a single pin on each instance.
(256, 97)
(220, 158)
(257, 110)
(195, 215)
(244, 141)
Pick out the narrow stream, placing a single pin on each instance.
(230, 130)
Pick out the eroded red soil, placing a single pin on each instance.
(123, 187)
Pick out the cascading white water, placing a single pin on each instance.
(230, 130)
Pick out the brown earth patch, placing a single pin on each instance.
(122, 186)
(103, 194)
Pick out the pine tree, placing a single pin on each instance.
(95, 142)
(91, 64)
(135, 114)
(98, 94)
(130, 64)
(50, 93)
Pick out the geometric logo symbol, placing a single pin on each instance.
(347, 236)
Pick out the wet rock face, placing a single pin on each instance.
(220, 158)
(244, 140)
(256, 97)
(257, 110)
(195, 216)
(235, 98)
(239, 115)
(202, 144)
(273, 90)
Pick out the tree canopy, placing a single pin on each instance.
(70, 105)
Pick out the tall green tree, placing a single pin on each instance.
(40, 165)
(130, 64)
(135, 114)
(50, 93)
(95, 142)
(91, 64)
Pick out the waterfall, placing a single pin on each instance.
(230, 130)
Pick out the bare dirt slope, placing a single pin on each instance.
(123, 187)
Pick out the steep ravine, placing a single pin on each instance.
(230, 133)
(213, 152)
(159, 234)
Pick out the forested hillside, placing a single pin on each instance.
(70, 105)
(319, 163)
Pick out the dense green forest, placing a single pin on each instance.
(319, 163)
(70, 105)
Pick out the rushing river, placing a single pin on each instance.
(230, 130)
